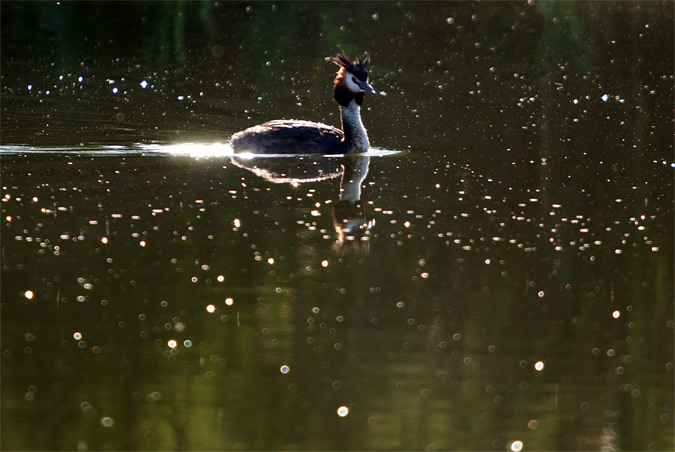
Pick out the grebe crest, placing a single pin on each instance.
(304, 137)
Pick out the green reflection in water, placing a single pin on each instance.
(531, 221)
(430, 337)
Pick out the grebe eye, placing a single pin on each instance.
(353, 79)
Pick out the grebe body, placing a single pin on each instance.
(305, 137)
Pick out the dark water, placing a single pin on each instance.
(502, 280)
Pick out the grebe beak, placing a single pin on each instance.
(365, 86)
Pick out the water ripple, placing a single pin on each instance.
(194, 150)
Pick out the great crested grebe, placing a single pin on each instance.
(305, 137)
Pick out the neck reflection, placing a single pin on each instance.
(349, 216)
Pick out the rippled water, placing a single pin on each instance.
(496, 274)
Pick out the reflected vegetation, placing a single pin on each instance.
(504, 283)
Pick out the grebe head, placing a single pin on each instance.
(351, 81)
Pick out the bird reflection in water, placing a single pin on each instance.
(349, 216)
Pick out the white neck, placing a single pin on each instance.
(355, 134)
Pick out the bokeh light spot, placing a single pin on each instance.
(107, 421)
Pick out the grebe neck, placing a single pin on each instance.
(355, 136)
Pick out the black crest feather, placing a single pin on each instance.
(358, 66)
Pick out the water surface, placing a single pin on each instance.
(497, 274)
